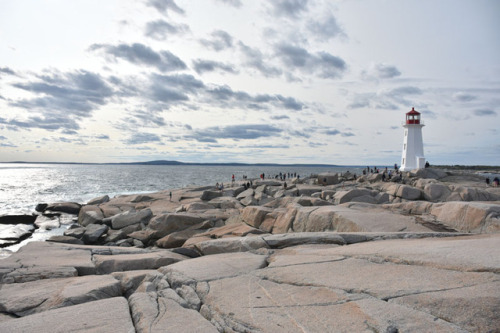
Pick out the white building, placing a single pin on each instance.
(413, 146)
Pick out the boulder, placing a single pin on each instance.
(99, 200)
(254, 215)
(234, 229)
(249, 201)
(328, 178)
(74, 232)
(65, 239)
(245, 194)
(15, 219)
(126, 219)
(409, 193)
(93, 232)
(233, 244)
(65, 207)
(177, 239)
(284, 221)
(167, 223)
(474, 217)
(90, 214)
(436, 192)
(209, 195)
(430, 173)
(341, 197)
(14, 233)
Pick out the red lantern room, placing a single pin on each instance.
(413, 117)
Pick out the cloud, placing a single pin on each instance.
(202, 66)
(485, 113)
(164, 6)
(464, 97)
(382, 71)
(161, 30)
(325, 28)
(323, 63)
(255, 59)
(62, 100)
(334, 132)
(7, 70)
(226, 97)
(221, 40)
(234, 3)
(142, 138)
(236, 132)
(140, 54)
(288, 8)
(280, 117)
(102, 137)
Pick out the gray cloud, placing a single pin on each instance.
(384, 71)
(288, 8)
(161, 30)
(255, 59)
(140, 54)
(202, 66)
(164, 6)
(142, 138)
(7, 70)
(220, 40)
(236, 132)
(333, 132)
(464, 97)
(325, 28)
(63, 99)
(234, 3)
(325, 64)
(485, 112)
(279, 117)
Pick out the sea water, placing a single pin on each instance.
(23, 185)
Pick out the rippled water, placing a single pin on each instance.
(22, 186)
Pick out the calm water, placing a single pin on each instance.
(22, 186)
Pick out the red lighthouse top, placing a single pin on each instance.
(413, 117)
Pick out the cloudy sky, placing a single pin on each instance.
(284, 81)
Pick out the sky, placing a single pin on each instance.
(284, 81)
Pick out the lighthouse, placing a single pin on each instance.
(413, 146)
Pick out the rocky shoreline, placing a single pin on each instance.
(326, 254)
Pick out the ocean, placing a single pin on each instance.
(23, 185)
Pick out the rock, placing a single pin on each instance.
(156, 313)
(468, 216)
(41, 207)
(292, 239)
(436, 192)
(65, 239)
(93, 232)
(90, 214)
(249, 201)
(341, 197)
(245, 194)
(235, 229)
(99, 200)
(106, 264)
(209, 195)
(409, 193)
(284, 221)
(167, 223)
(109, 315)
(16, 219)
(130, 281)
(141, 198)
(14, 233)
(217, 266)
(197, 206)
(190, 296)
(328, 178)
(177, 239)
(254, 215)
(65, 207)
(35, 273)
(233, 244)
(430, 173)
(75, 232)
(128, 218)
(47, 223)
(26, 298)
(142, 235)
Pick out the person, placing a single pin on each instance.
(284, 185)
(496, 181)
(217, 185)
(170, 195)
(232, 179)
(427, 164)
(383, 176)
(487, 181)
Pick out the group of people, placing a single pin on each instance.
(496, 181)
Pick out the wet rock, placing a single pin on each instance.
(14, 233)
(16, 219)
(65, 207)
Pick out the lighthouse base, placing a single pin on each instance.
(420, 164)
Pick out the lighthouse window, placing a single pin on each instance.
(404, 146)
(406, 133)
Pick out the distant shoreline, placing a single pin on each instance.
(165, 162)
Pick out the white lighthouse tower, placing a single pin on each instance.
(413, 146)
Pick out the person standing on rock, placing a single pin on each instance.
(170, 195)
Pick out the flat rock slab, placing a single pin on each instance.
(128, 262)
(109, 315)
(466, 253)
(248, 303)
(217, 266)
(23, 299)
(47, 254)
(154, 313)
(35, 273)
